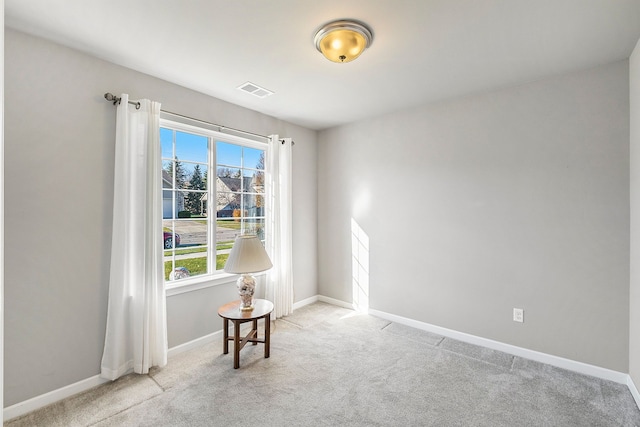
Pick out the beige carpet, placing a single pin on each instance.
(332, 367)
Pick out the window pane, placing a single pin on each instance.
(169, 237)
(227, 229)
(195, 202)
(186, 263)
(228, 154)
(172, 203)
(254, 226)
(227, 204)
(226, 232)
(253, 205)
(228, 179)
(199, 177)
(195, 264)
(250, 174)
(226, 237)
(258, 183)
(253, 158)
(192, 233)
(190, 147)
(175, 172)
(188, 256)
(249, 182)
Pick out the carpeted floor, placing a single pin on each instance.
(332, 367)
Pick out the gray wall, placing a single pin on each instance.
(514, 198)
(59, 136)
(2, 216)
(634, 294)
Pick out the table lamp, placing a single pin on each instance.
(247, 256)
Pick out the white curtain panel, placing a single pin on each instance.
(136, 334)
(279, 283)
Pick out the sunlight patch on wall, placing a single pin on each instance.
(359, 267)
(362, 202)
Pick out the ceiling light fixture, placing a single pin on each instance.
(344, 40)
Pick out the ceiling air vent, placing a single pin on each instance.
(255, 90)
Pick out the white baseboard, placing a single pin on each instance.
(633, 390)
(43, 400)
(198, 342)
(560, 362)
(300, 304)
(337, 302)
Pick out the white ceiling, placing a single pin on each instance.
(423, 50)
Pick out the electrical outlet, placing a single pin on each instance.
(518, 315)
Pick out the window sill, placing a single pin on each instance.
(197, 283)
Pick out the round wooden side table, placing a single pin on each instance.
(231, 312)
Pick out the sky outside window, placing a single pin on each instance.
(193, 148)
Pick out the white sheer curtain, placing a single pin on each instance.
(279, 283)
(136, 335)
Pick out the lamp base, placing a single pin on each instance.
(246, 287)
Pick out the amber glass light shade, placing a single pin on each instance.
(342, 45)
(343, 41)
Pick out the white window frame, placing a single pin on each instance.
(215, 277)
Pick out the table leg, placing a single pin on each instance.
(225, 342)
(236, 345)
(255, 328)
(267, 334)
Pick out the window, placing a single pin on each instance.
(212, 191)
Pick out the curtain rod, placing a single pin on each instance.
(116, 100)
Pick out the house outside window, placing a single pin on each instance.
(213, 190)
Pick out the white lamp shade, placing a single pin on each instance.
(247, 256)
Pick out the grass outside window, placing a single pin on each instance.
(196, 266)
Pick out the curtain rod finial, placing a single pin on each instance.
(111, 97)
